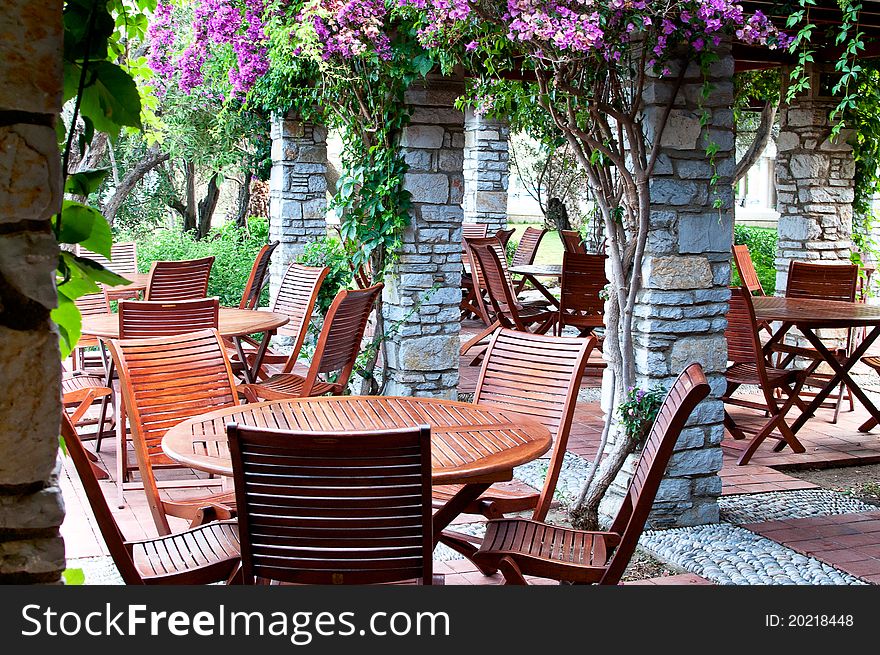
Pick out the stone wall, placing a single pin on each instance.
(297, 191)
(31, 507)
(815, 186)
(422, 295)
(486, 160)
(680, 311)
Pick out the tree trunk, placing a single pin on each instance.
(762, 137)
(189, 209)
(207, 205)
(557, 215)
(131, 179)
(244, 200)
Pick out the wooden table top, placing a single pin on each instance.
(816, 313)
(469, 443)
(232, 323)
(551, 270)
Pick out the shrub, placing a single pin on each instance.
(233, 248)
(329, 252)
(762, 246)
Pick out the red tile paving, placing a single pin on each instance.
(849, 542)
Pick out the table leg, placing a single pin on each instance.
(456, 505)
(251, 373)
(542, 289)
(841, 374)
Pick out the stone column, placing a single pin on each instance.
(423, 292)
(486, 160)
(814, 183)
(31, 507)
(297, 190)
(680, 311)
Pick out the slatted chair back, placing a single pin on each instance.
(93, 304)
(140, 319)
(123, 257)
(495, 280)
(583, 281)
(106, 522)
(822, 281)
(689, 388)
(474, 231)
(341, 336)
(183, 280)
(573, 242)
(538, 376)
(504, 236)
(746, 267)
(259, 277)
(743, 343)
(477, 273)
(296, 299)
(527, 247)
(165, 381)
(333, 508)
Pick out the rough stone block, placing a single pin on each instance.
(26, 560)
(710, 232)
(30, 178)
(36, 511)
(431, 188)
(677, 273)
(709, 351)
(430, 353)
(429, 137)
(30, 49)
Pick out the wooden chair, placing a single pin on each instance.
(747, 273)
(79, 392)
(474, 230)
(184, 280)
(580, 303)
(123, 261)
(504, 236)
(336, 352)
(140, 319)
(92, 304)
(259, 277)
(470, 231)
(201, 555)
(538, 376)
(520, 547)
(749, 367)
(333, 508)
(821, 282)
(165, 381)
(296, 299)
(573, 242)
(526, 250)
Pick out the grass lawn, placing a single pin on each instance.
(550, 250)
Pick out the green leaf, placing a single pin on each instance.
(86, 182)
(95, 272)
(110, 98)
(74, 577)
(69, 321)
(86, 226)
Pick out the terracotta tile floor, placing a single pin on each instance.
(856, 548)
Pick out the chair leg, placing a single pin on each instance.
(511, 572)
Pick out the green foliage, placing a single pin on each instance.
(639, 410)
(762, 247)
(234, 250)
(74, 576)
(329, 252)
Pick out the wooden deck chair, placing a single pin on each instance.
(520, 547)
(468, 301)
(749, 367)
(573, 242)
(525, 252)
(92, 304)
(296, 298)
(184, 280)
(258, 278)
(333, 508)
(206, 553)
(537, 376)
(336, 353)
(123, 261)
(581, 304)
(165, 381)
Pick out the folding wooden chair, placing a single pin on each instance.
(581, 304)
(165, 381)
(468, 301)
(572, 242)
(333, 508)
(184, 280)
(336, 353)
(525, 253)
(205, 553)
(749, 367)
(123, 261)
(520, 547)
(258, 278)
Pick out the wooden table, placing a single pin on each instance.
(471, 445)
(810, 315)
(533, 271)
(232, 323)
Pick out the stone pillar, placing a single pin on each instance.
(814, 183)
(31, 507)
(680, 311)
(423, 292)
(486, 160)
(297, 190)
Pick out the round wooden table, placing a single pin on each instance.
(809, 315)
(471, 445)
(531, 273)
